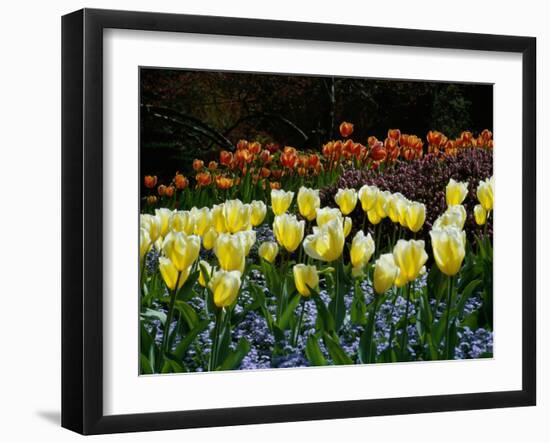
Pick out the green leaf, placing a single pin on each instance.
(288, 313)
(335, 350)
(313, 352)
(145, 365)
(325, 321)
(184, 344)
(185, 292)
(187, 313)
(152, 314)
(234, 359)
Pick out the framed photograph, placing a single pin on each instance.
(269, 221)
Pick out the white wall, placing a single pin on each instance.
(30, 223)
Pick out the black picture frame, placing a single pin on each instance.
(82, 216)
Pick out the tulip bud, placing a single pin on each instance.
(198, 164)
(206, 266)
(152, 199)
(308, 202)
(346, 129)
(327, 241)
(449, 248)
(415, 216)
(209, 238)
(182, 221)
(202, 219)
(237, 215)
(150, 181)
(268, 251)
(410, 256)
(347, 226)
(453, 216)
(171, 275)
(230, 251)
(288, 231)
(346, 199)
(258, 212)
(368, 195)
(362, 248)
(144, 243)
(225, 286)
(394, 203)
(485, 191)
(281, 200)
(456, 192)
(181, 249)
(305, 277)
(181, 181)
(480, 215)
(385, 273)
(226, 158)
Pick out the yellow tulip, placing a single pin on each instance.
(206, 266)
(347, 226)
(268, 251)
(346, 199)
(218, 218)
(170, 274)
(385, 273)
(164, 216)
(258, 212)
(209, 238)
(368, 196)
(202, 219)
(324, 215)
(230, 251)
(415, 216)
(393, 206)
(382, 204)
(248, 238)
(225, 287)
(402, 208)
(400, 279)
(181, 249)
(453, 216)
(308, 202)
(183, 221)
(373, 217)
(152, 224)
(327, 242)
(485, 191)
(480, 215)
(237, 216)
(362, 248)
(144, 243)
(288, 231)
(449, 248)
(305, 277)
(410, 256)
(281, 200)
(456, 192)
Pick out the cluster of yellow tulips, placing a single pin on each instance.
(304, 227)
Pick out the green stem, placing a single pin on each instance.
(447, 325)
(299, 325)
(392, 330)
(214, 352)
(404, 338)
(169, 317)
(371, 354)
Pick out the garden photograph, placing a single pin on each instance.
(294, 221)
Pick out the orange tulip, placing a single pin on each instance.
(272, 147)
(275, 185)
(371, 141)
(289, 157)
(265, 156)
(277, 174)
(169, 191)
(378, 152)
(224, 182)
(242, 144)
(243, 156)
(486, 135)
(466, 137)
(152, 199)
(212, 165)
(150, 181)
(313, 160)
(181, 181)
(328, 149)
(161, 190)
(346, 129)
(203, 178)
(226, 158)
(434, 138)
(490, 144)
(265, 172)
(198, 164)
(394, 134)
(450, 148)
(254, 147)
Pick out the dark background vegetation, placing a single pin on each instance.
(187, 114)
